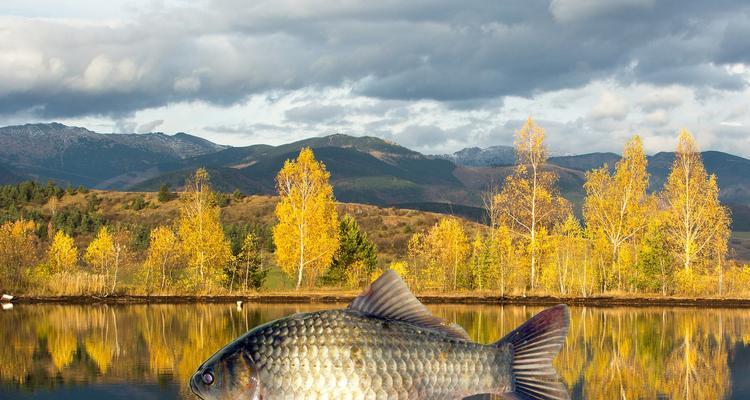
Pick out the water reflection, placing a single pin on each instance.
(150, 351)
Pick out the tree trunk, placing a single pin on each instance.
(148, 281)
(117, 263)
(247, 272)
(163, 275)
(615, 265)
(234, 270)
(301, 255)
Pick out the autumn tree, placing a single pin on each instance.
(569, 248)
(417, 266)
(444, 250)
(616, 206)
(200, 234)
(355, 250)
(106, 254)
(161, 258)
(100, 253)
(655, 266)
(63, 253)
(506, 260)
(695, 221)
(307, 232)
(18, 247)
(479, 262)
(529, 200)
(399, 267)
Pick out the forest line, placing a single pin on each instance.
(629, 242)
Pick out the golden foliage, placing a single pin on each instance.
(479, 262)
(401, 268)
(202, 239)
(18, 248)
(616, 206)
(307, 233)
(443, 252)
(106, 253)
(63, 253)
(101, 251)
(162, 257)
(695, 222)
(529, 200)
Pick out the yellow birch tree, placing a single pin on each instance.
(568, 253)
(162, 256)
(100, 253)
(63, 253)
(105, 254)
(18, 248)
(417, 265)
(443, 251)
(449, 243)
(201, 236)
(695, 221)
(506, 261)
(529, 200)
(478, 264)
(616, 205)
(307, 232)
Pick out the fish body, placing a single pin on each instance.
(386, 345)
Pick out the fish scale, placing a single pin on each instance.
(346, 353)
(385, 345)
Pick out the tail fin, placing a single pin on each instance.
(535, 344)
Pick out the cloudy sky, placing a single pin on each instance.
(435, 76)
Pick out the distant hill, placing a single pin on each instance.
(482, 157)
(586, 162)
(732, 172)
(79, 156)
(363, 169)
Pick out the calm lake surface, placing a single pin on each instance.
(150, 351)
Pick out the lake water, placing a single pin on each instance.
(149, 351)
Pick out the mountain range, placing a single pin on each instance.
(363, 169)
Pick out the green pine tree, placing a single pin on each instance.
(164, 194)
(355, 249)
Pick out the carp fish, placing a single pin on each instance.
(385, 345)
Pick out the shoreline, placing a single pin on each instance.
(596, 301)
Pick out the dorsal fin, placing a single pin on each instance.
(388, 297)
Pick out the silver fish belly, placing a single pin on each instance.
(342, 354)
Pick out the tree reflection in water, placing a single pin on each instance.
(625, 353)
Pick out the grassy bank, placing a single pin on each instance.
(334, 297)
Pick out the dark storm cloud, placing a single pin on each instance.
(455, 52)
(735, 46)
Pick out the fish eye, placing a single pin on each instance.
(208, 378)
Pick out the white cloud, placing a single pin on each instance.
(434, 75)
(610, 105)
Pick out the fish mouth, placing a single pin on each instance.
(194, 386)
